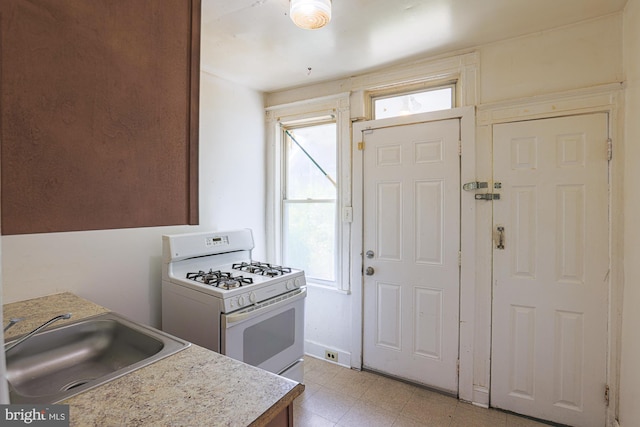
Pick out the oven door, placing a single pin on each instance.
(269, 335)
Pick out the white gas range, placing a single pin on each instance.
(216, 296)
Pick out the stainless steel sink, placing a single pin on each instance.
(61, 362)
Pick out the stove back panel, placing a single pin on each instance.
(183, 246)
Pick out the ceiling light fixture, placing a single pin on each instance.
(310, 14)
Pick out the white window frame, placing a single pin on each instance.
(334, 108)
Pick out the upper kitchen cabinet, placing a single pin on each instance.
(99, 114)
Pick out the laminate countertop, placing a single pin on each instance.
(194, 387)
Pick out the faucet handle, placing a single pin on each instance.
(12, 322)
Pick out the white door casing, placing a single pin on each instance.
(411, 209)
(550, 290)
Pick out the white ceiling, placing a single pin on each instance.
(254, 43)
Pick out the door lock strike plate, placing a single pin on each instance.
(488, 196)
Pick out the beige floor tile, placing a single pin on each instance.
(338, 396)
(365, 414)
(395, 384)
(329, 404)
(388, 394)
(403, 421)
(435, 395)
(320, 376)
(467, 415)
(352, 383)
(472, 411)
(312, 362)
(425, 408)
(310, 388)
(474, 422)
(321, 372)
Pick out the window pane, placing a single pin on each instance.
(304, 179)
(309, 238)
(414, 103)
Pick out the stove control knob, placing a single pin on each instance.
(298, 282)
(241, 301)
(289, 284)
(252, 297)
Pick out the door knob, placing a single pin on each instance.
(369, 271)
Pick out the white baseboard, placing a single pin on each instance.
(317, 350)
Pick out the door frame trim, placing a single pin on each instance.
(466, 115)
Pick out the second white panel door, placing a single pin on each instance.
(551, 271)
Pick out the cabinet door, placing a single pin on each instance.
(99, 114)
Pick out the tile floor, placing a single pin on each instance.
(342, 397)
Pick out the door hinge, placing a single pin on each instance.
(360, 146)
(459, 258)
(459, 148)
(458, 367)
(606, 394)
(609, 149)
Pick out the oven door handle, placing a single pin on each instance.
(265, 306)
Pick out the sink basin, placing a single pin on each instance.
(58, 363)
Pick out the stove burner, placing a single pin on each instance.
(261, 268)
(219, 279)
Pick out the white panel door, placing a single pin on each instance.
(412, 230)
(551, 279)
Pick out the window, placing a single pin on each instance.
(309, 221)
(413, 103)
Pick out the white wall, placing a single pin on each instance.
(630, 366)
(328, 323)
(572, 57)
(121, 269)
(232, 153)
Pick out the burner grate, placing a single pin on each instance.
(261, 268)
(219, 279)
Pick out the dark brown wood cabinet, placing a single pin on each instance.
(98, 114)
(284, 418)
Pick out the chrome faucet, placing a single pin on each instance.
(35, 331)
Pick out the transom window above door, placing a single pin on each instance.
(415, 102)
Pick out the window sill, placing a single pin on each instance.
(316, 285)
